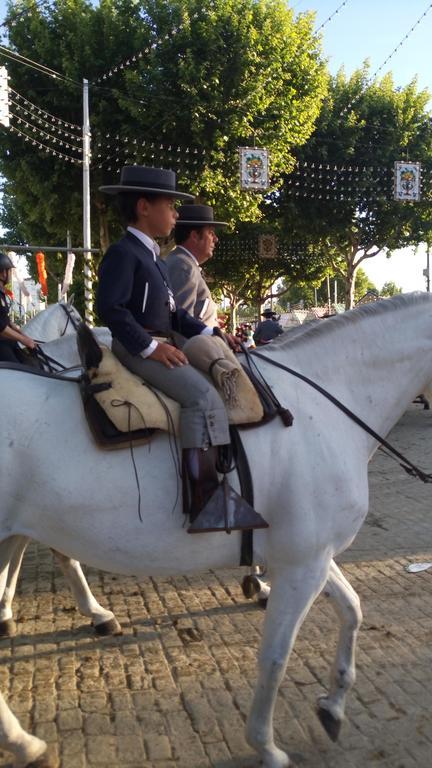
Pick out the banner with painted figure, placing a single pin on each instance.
(254, 168)
(407, 181)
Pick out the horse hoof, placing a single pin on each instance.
(262, 602)
(330, 723)
(110, 627)
(250, 587)
(8, 628)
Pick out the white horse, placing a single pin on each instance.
(55, 321)
(83, 502)
(56, 328)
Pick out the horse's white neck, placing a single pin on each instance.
(375, 365)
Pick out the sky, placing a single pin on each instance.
(371, 29)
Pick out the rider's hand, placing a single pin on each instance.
(229, 339)
(168, 355)
(233, 342)
(28, 342)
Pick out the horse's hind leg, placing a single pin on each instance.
(27, 750)
(18, 545)
(331, 708)
(293, 591)
(105, 623)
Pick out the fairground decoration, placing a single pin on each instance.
(267, 247)
(42, 273)
(407, 181)
(254, 169)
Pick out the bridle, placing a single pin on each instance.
(405, 463)
(70, 318)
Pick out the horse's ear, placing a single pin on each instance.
(71, 300)
(89, 350)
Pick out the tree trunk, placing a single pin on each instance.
(350, 278)
(233, 315)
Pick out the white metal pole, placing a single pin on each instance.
(88, 265)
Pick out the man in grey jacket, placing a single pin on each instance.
(196, 239)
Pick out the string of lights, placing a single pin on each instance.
(390, 56)
(332, 15)
(49, 125)
(40, 111)
(48, 150)
(399, 45)
(331, 182)
(146, 51)
(149, 157)
(44, 135)
(136, 149)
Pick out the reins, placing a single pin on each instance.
(407, 465)
(70, 318)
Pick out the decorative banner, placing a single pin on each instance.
(70, 263)
(254, 168)
(42, 273)
(267, 247)
(19, 272)
(407, 181)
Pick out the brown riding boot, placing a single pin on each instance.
(215, 506)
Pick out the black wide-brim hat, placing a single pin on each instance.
(139, 178)
(268, 313)
(197, 216)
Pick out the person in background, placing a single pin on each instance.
(267, 329)
(10, 334)
(196, 239)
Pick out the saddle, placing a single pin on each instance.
(121, 408)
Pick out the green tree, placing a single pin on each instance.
(390, 289)
(326, 291)
(342, 195)
(245, 278)
(212, 74)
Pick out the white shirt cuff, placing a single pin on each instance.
(148, 350)
(207, 331)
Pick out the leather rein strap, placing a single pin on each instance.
(407, 465)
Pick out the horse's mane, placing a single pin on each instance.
(319, 328)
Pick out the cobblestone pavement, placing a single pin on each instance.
(174, 690)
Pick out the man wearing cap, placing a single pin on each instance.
(195, 238)
(268, 328)
(136, 302)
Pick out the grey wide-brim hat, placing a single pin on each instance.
(139, 178)
(197, 216)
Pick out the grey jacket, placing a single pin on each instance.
(190, 289)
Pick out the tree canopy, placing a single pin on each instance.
(208, 75)
(341, 194)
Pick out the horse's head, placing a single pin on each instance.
(53, 322)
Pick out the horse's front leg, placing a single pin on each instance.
(331, 708)
(105, 623)
(293, 591)
(27, 750)
(12, 552)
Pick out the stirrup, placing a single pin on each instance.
(226, 511)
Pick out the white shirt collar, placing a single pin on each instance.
(189, 254)
(146, 240)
